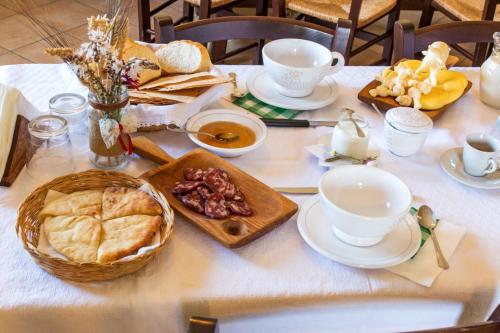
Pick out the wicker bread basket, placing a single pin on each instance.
(28, 227)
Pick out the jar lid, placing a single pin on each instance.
(408, 119)
(67, 103)
(49, 126)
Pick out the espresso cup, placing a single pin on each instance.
(296, 66)
(481, 154)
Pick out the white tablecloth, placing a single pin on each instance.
(196, 275)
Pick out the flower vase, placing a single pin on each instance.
(108, 145)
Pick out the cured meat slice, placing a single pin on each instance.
(215, 206)
(193, 174)
(204, 191)
(239, 207)
(215, 181)
(222, 172)
(185, 186)
(194, 201)
(230, 190)
(238, 196)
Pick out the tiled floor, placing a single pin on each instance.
(20, 44)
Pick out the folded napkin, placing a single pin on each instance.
(8, 116)
(252, 104)
(422, 268)
(322, 152)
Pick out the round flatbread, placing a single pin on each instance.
(79, 203)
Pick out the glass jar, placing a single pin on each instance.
(405, 130)
(50, 153)
(101, 156)
(345, 138)
(73, 108)
(490, 76)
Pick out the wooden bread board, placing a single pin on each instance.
(18, 152)
(270, 208)
(386, 103)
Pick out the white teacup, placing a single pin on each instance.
(363, 203)
(481, 154)
(296, 65)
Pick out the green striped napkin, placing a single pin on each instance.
(425, 232)
(252, 104)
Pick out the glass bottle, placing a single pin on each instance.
(490, 76)
(102, 157)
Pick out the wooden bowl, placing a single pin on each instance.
(28, 227)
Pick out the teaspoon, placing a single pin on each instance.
(222, 137)
(425, 219)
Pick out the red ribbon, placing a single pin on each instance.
(129, 148)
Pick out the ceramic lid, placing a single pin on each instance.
(408, 119)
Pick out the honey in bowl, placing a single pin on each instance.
(246, 137)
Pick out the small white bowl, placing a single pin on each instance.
(363, 203)
(241, 117)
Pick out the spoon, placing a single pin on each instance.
(222, 137)
(236, 92)
(359, 131)
(424, 217)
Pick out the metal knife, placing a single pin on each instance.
(297, 190)
(298, 122)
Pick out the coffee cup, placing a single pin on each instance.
(481, 154)
(296, 66)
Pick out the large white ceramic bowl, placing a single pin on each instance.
(363, 203)
(296, 65)
(241, 117)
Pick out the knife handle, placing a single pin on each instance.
(286, 122)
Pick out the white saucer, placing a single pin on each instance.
(397, 247)
(452, 163)
(261, 85)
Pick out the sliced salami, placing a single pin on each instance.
(215, 181)
(204, 191)
(239, 207)
(230, 190)
(185, 186)
(194, 201)
(238, 195)
(215, 206)
(193, 174)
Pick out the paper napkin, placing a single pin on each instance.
(252, 104)
(423, 268)
(322, 152)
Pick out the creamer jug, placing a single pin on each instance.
(490, 76)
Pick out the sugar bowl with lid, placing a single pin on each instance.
(405, 130)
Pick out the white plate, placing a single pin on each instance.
(452, 163)
(397, 247)
(259, 83)
(245, 118)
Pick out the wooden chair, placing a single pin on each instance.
(255, 28)
(492, 325)
(463, 10)
(361, 13)
(408, 41)
(205, 8)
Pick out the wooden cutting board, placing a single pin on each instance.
(18, 152)
(270, 207)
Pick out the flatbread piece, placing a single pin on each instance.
(79, 203)
(125, 235)
(125, 201)
(76, 237)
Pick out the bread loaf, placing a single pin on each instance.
(134, 50)
(183, 57)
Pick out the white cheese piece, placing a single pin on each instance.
(8, 114)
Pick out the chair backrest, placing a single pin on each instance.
(255, 28)
(408, 41)
(209, 325)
